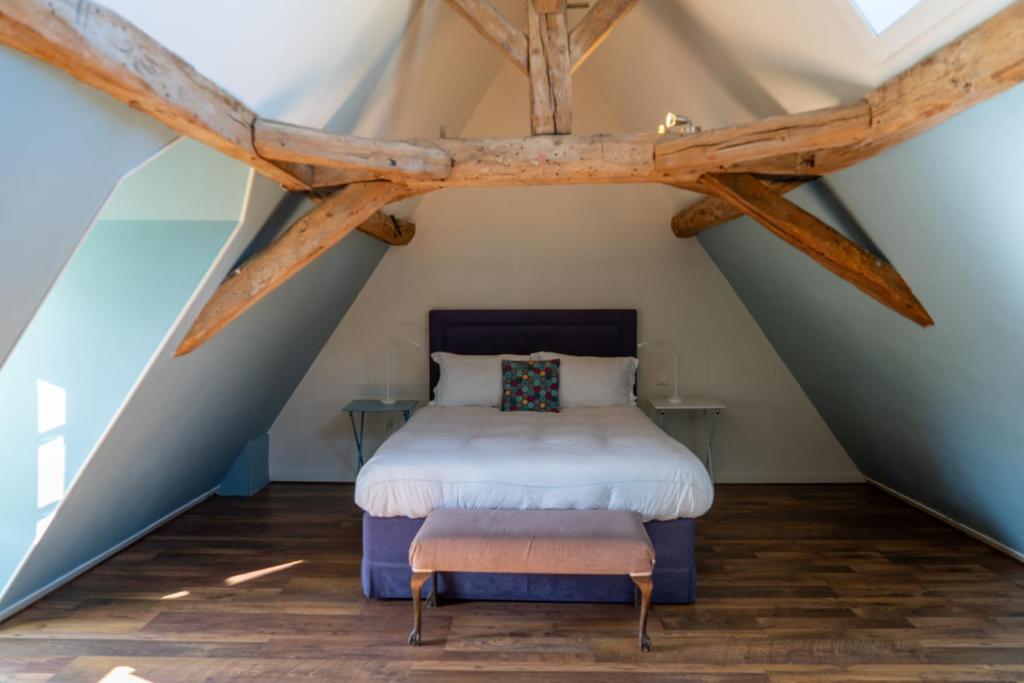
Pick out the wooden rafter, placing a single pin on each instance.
(101, 49)
(981, 64)
(750, 144)
(550, 68)
(387, 159)
(829, 248)
(595, 26)
(546, 160)
(300, 245)
(713, 210)
(389, 229)
(493, 26)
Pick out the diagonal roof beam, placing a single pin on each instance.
(594, 27)
(981, 64)
(300, 245)
(388, 159)
(712, 210)
(101, 49)
(826, 246)
(492, 25)
(758, 143)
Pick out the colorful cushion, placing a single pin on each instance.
(530, 385)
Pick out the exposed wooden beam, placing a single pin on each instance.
(493, 26)
(390, 229)
(531, 160)
(323, 176)
(828, 247)
(99, 48)
(711, 210)
(550, 73)
(576, 159)
(760, 142)
(594, 27)
(549, 6)
(308, 238)
(977, 66)
(547, 160)
(381, 158)
(981, 64)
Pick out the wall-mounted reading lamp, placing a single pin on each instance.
(680, 124)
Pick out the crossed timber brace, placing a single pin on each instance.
(743, 169)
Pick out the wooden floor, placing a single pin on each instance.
(796, 583)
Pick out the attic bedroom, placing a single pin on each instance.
(512, 340)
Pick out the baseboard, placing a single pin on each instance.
(9, 612)
(788, 477)
(973, 533)
(318, 476)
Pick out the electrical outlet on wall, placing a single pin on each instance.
(662, 380)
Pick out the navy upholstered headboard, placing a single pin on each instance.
(577, 332)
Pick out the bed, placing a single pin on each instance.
(582, 458)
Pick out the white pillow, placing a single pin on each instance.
(469, 380)
(592, 381)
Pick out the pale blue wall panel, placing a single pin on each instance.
(191, 416)
(937, 414)
(84, 349)
(64, 147)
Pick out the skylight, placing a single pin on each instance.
(881, 14)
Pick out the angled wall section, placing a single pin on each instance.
(936, 414)
(187, 418)
(99, 326)
(64, 148)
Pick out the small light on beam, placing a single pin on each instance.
(249, 576)
(683, 124)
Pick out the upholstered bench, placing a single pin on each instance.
(532, 542)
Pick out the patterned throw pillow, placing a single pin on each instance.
(530, 385)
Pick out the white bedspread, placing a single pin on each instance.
(582, 458)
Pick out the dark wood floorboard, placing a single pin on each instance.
(796, 583)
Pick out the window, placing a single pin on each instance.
(881, 14)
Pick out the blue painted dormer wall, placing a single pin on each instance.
(164, 431)
(936, 414)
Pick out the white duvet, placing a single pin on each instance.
(582, 458)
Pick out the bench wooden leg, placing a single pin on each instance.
(432, 596)
(645, 584)
(416, 587)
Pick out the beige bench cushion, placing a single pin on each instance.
(533, 542)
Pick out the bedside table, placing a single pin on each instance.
(364, 406)
(709, 408)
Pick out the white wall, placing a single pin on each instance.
(571, 247)
(394, 68)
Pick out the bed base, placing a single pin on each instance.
(386, 572)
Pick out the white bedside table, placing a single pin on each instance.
(709, 408)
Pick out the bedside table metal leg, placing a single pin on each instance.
(709, 438)
(358, 434)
